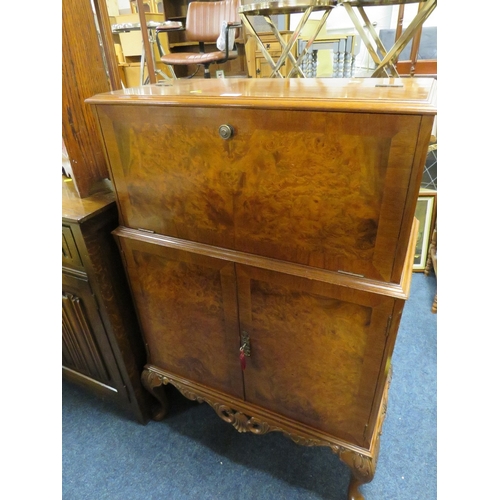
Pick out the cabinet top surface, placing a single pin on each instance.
(76, 209)
(382, 95)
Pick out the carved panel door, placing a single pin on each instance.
(316, 350)
(85, 348)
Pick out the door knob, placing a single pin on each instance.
(226, 131)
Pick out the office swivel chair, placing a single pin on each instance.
(204, 24)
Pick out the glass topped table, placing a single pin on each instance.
(387, 65)
(267, 9)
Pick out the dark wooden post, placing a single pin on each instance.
(108, 44)
(83, 75)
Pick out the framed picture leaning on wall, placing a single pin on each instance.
(426, 215)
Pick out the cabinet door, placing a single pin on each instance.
(85, 345)
(187, 308)
(70, 255)
(263, 68)
(316, 350)
(324, 189)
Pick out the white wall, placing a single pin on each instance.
(112, 6)
(123, 6)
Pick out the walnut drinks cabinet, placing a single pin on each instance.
(267, 231)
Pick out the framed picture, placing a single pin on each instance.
(426, 215)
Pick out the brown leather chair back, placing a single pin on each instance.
(204, 19)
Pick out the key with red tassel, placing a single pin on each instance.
(244, 349)
(243, 361)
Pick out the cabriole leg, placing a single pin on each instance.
(362, 471)
(154, 385)
(353, 492)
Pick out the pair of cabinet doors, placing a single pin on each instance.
(317, 350)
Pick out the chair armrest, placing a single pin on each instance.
(169, 26)
(230, 26)
(165, 28)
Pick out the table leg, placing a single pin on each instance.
(143, 61)
(286, 50)
(265, 53)
(373, 53)
(390, 64)
(310, 42)
(407, 35)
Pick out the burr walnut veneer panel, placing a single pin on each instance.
(285, 175)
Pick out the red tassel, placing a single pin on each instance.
(243, 361)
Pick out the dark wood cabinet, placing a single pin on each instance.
(267, 230)
(85, 346)
(102, 347)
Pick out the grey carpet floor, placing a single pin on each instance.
(195, 455)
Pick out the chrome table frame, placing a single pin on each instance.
(387, 65)
(267, 9)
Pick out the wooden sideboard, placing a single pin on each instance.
(101, 344)
(267, 230)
